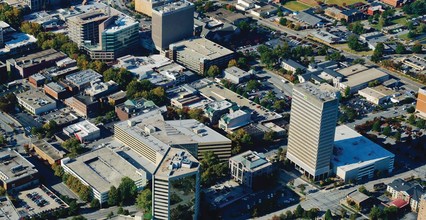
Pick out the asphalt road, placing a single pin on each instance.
(277, 81)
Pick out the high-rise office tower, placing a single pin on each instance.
(103, 35)
(176, 187)
(312, 129)
(145, 6)
(171, 23)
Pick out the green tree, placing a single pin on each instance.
(417, 47)
(421, 28)
(391, 212)
(242, 62)
(213, 71)
(356, 27)
(378, 52)
(335, 56)
(347, 91)
(252, 84)
(84, 192)
(196, 114)
(397, 136)
(411, 119)
(373, 83)
(411, 34)
(411, 109)
(144, 200)
(212, 169)
(136, 88)
(2, 191)
(328, 215)
(283, 21)
(400, 48)
(298, 212)
(59, 171)
(127, 189)
(269, 136)
(232, 63)
(362, 189)
(376, 126)
(387, 131)
(110, 215)
(73, 146)
(121, 76)
(375, 213)
(113, 196)
(31, 28)
(354, 44)
(279, 105)
(95, 204)
(120, 210)
(420, 123)
(79, 217)
(382, 22)
(358, 61)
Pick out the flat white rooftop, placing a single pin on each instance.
(142, 65)
(313, 90)
(103, 168)
(354, 150)
(173, 6)
(84, 127)
(121, 23)
(19, 40)
(200, 48)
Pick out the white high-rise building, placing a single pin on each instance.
(312, 128)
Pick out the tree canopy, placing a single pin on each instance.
(212, 168)
(144, 200)
(213, 71)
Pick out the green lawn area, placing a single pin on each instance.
(340, 2)
(404, 36)
(296, 6)
(401, 21)
(346, 48)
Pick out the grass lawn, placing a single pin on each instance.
(296, 6)
(404, 36)
(312, 3)
(346, 48)
(401, 21)
(340, 2)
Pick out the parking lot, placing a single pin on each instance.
(27, 120)
(219, 93)
(360, 105)
(37, 200)
(224, 194)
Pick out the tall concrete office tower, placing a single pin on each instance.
(171, 23)
(312, 128)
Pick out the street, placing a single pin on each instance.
(329, 199)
